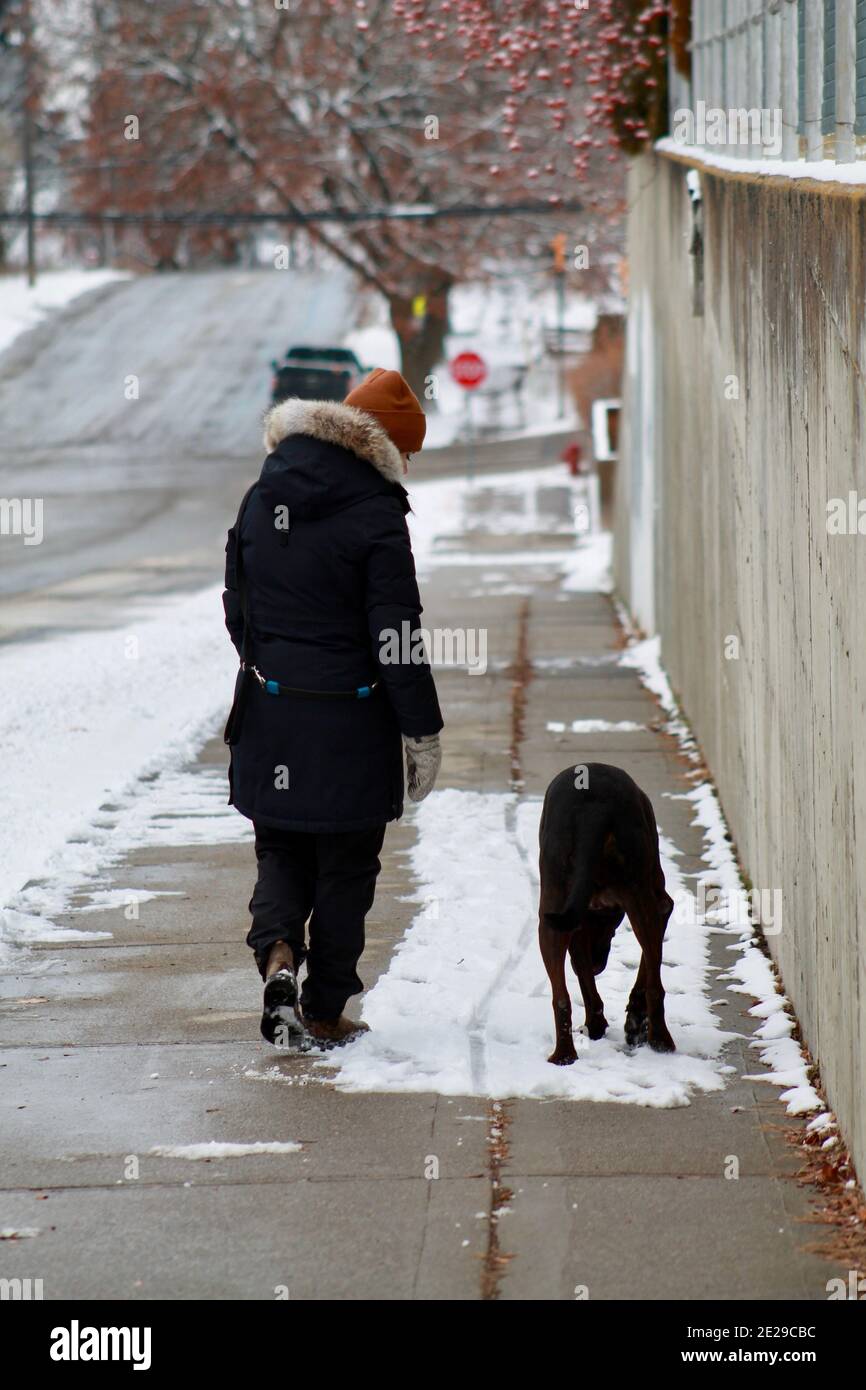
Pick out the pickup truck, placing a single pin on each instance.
(316, 374)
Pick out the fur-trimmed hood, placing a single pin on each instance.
(331, 422)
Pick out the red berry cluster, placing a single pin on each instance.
(615, 51)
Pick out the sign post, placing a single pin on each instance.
(469, 370)
(558, 246)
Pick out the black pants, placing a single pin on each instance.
(332, 876)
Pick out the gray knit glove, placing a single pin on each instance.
(423, 757)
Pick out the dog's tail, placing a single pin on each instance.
(605, 850)
(595, 845)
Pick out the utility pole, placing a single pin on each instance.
(27, 137)
(558, 245)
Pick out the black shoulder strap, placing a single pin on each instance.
(240, 577)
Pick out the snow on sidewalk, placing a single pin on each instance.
(465, 1007)
(447, 512)
(84, 718)
(97, 731)
(215, 1148)
(112, 717)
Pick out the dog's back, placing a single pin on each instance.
(598, 833)
(599, 862)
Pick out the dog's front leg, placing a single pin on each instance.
(554, 944)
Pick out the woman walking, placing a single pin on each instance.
(319, 576)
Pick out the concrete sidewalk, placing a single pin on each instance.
(150, 1039)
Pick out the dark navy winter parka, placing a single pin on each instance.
(328, 570)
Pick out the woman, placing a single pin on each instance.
(319, 573)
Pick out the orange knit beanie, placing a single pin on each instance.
(390, 400)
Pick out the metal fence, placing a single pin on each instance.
(781, 79)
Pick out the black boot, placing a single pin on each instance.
(281, 1017)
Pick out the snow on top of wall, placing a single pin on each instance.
(821, 170)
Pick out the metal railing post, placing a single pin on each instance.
(790, 86)
(846, 80)
(733, 42)
(699, 60)
(773, 64)
(755, 40)
(814, 79)
(722, 47)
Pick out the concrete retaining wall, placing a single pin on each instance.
(741, 426)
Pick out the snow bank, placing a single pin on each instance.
(751, 972)
(587, 567)
(83, 718)
(22, 307)
(645, 658)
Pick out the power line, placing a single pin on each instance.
(421, 213)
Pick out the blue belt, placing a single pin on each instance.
(361, 692)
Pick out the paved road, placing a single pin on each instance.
(136, 491)
(112, 1049)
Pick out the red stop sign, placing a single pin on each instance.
(468, 370)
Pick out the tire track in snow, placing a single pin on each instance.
(523, 674)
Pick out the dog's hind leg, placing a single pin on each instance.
(580, 949)
(649, 915)
(554, 944)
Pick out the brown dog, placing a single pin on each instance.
(599, 862)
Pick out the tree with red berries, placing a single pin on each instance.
(618, 48)
(357, 105)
